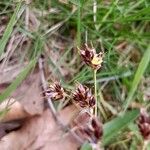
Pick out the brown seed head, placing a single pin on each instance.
(92, 130)
(91, 58)
(144, 125)
(55, 91)
(83, 96)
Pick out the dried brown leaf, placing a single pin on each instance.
(5, 128)
(9, 74)
(12, 110)
(30, 95)
(42, 132)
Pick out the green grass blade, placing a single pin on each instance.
(139, 73)
(17, 81)
(75, 2)
(9, 28)
(114, 126)
(108, 13)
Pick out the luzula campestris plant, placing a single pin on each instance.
(94, 60)
(91, 129)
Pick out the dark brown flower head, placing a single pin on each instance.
(91, 58)
(55, 91)
(144, 124)
(83, 96)
(91, 130)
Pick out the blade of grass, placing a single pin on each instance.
(75, 2)
(139, 73)
(17, 81)
(114, 126)
(9, 27)
(107, 14)
(134, 6)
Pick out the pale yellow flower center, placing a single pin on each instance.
(97, 60)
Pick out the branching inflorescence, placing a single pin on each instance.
(91, 129)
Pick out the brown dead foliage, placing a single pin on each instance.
(37, 128)
(29, 94)
(12, 110)
(41, 132)
(13, 70)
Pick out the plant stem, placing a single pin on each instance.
(95, 90)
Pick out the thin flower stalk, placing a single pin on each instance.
(95, 90)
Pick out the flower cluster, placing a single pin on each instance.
(55, 91)
(83, 96)
(91, 58)
(88, 128)
(144, 124)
